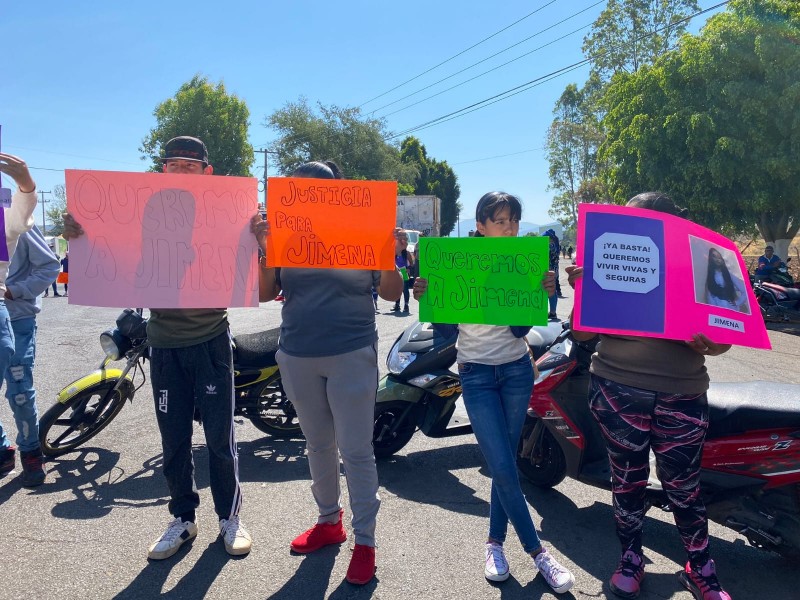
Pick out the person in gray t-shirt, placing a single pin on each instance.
(329, 366)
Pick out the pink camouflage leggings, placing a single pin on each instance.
(632, 421)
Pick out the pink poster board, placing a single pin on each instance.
(158, 240)
(653, 274)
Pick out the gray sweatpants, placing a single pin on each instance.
(335, 401)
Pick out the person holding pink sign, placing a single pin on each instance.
(329, 363)
(494, 363)
(651, 393)
(191, 368)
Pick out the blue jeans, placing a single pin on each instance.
(496, 399)
(24, 409)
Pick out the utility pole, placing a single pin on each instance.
(265, 152)
(43, 202)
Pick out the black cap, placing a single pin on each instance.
(186, 148)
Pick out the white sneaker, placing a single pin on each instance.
(237, 539)
(168, 544)
(496, 568)
(556, 576)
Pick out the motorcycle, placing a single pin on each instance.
(86, 406)
(778, 303)
(750, 478)
(420, 391)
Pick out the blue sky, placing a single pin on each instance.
(84, 77)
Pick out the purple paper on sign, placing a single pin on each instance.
(5, 197)
(3, 244)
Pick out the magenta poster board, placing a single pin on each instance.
(653, 274)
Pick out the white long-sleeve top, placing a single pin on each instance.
(19, 219)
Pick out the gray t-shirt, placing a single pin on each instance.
(327, 311)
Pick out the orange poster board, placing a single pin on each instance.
(331, 223)
(160, 240)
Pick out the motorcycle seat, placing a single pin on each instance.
(256, 350)
(738, 407)
(540, 338)
(790, 292)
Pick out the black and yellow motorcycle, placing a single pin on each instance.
(86, 406)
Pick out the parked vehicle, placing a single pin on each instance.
(86, 406)
(778, 303)
(420, 391)
(750, 479)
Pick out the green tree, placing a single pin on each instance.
(629, 34)
(355, 142)
(715, 123)
(206, 111)
(571, 148)
(435, 178)
(56, 209)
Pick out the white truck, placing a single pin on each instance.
(419, 213)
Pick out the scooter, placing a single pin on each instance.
(420, 391)
(750, 478)
(88, 405)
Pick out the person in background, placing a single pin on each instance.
(496, 371)
(18, 220)
(404, 261)
(32, 269)
(54, 283)
(555, 248)
(330, 371)
(65, 271)
(767, 263)
(191, 367)
(651, 393)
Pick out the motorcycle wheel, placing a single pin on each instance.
(66, 426)
(276, 415)
(546, 465)
(386, 415)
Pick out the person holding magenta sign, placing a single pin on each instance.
(191, 367)
(497, 379)
(330, 372)
(651, 393)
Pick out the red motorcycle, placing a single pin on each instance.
(750, 480)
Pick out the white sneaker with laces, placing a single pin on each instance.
(556, 576)
(171, 540)
(237, 539)
(496, 568)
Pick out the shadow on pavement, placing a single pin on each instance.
(587, 537)
(194, 584)
(99, 485)
(426, 477)
(312, 576)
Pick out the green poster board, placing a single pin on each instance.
(490, 281)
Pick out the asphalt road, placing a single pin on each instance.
(85, 533)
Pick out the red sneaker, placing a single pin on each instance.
(362, 565)
(319, 536)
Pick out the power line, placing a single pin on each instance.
(485, 72)
(458, 54)
(466, 162)
(537, 81)
(538, 33)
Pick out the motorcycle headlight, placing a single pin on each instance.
(397, 361)
(114, 344)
